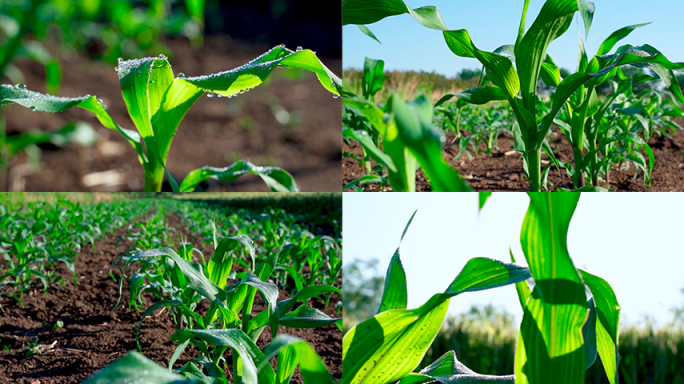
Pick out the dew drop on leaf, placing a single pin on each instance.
(120, 60)
(210, 95)
(299, 49)
(162, 56)
(181, 75)
(21, 85)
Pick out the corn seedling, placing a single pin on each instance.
(157, 102)
(513, 71)
(181, 284)
(34, 239)
(570, 315)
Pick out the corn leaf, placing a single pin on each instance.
(195, 279)
(477, 95)
(388, 346)
(134, 367)
(448, 370)
(365, 12)
(553, 20)
(608, 314)
(250, 354)
(395, 294)
(550, 345)
(373, 77)
(403, 176)
(47, 103)
(500, 69)
(368, 32)
(414, 125)
(482, 200)
(278, 180)
(371, 149)
(297, 352)
(608, 44)
(306, 317)
(221, 261)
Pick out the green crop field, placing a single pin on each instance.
(603, 110)
(218, 273)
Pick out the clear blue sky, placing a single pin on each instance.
(407, 45)
(633, 240)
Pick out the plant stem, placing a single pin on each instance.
(578, 180)
(533, 159)
(237, 379)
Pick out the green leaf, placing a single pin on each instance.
(424, 141)
(221, 261)
(481, 273)
(448, 370)
(388, 346)
(616, 36)
(371, 149)
(195, 279)
(306, 317)
(395, 295)
(521, 287)
(365, 12)
(608, 314)
(373, 77)
(250, 354)
(368, 32)
(482, 198)
(500, 69)
(278, 180)
(553, 20)
(298, 352)
(134, 367)
(47, 103)
(478, 95)
(550, 344)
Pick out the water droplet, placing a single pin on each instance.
(336, 96)
(162, 56)
(116, 69)
(181, 75)
(21, 85)
(299, 49)
(100, 101)
(120, 60)
(210, 95)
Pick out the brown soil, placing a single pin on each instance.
(93, 335)
(215, 132)
(501, 172)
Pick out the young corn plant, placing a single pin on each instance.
(400, 142)
(157, 102)
(570, 315)
(513, 71)
(584, 112)
(181, 284)
(409, 140)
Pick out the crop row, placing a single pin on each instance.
(210, 299)
(37, 237)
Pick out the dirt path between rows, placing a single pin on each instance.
(93, 335)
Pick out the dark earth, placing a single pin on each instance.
(94, 334)
(215, 132)
(502, 170)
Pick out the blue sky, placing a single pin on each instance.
(632, 240)
(407, 45)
